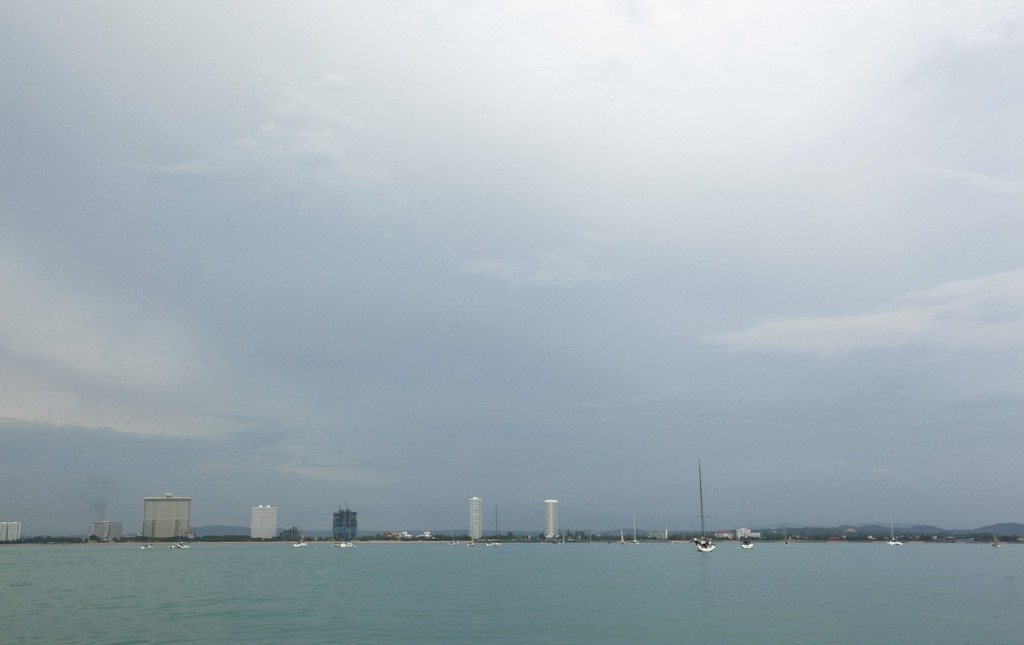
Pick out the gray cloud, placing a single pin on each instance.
(402, 255)
(979, 314)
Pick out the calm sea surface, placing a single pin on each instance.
(518, 593)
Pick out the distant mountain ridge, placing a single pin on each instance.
(1003, 528)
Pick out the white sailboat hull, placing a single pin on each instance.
(703, 543)
(892, 535)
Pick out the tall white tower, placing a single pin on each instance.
(550, 518)
(263, 522)
(476, 518)
(10, 531)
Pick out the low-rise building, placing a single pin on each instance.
(106, 530)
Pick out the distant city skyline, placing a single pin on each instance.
(108, 529)
(161, 520)
(344, 524)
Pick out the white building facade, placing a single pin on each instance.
(476, 518)
(550, 518)
(10, 531)
(263, 522)
(106, 530)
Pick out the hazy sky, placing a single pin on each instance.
(404, 253)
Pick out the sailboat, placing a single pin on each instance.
(704, 544)
(622, 537)
(495, 542)
(995, 541)
(892, 535)
(745, 541)
(635, 541)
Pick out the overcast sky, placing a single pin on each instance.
(398, 254)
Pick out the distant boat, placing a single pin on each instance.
(703, 543)
(340, 545)
(146, 546)
(453, 541)
(495, 542)
(179, 545)
(995, 541)
(892, 535)
(635, 541)
(622, 536)
(786, 539)
(745, 541)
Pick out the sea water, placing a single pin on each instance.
(517, 593)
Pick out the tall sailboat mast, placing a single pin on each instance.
(700, 488)
(745, 541)
(704, 545)
(494, 541)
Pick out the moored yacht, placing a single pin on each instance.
(703, 543)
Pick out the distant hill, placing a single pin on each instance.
(923, 529)
(1003, 528)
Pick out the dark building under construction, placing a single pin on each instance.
(344, 525)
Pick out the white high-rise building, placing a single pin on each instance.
(10, 531)
(550, 518)
(166, 517)
(476, 518)
(263, 522)
(106, 530)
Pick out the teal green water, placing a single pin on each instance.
(402, 593)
